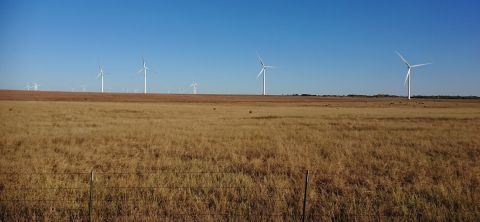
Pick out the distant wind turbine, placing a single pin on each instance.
(194, 84)
(109, 89)
(408, 73)
(168, 89)
(145, 75)
(101, 74)
(28, 87)
(83, 87)
(263, 70)
(35, 87)
(72, 88)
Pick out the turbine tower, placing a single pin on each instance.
(194, 84)
(101, 74)
(263, 70)
(408, 73)
(144, 68)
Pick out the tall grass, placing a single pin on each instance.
(151, 160)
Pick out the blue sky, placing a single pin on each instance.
(322, 47)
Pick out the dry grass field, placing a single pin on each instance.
(237, 158)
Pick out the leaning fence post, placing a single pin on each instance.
(90, 204)
(305, 197)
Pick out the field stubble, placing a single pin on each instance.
(221, 161)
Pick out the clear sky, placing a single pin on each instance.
(321, 47)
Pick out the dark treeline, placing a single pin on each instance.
(393, 96)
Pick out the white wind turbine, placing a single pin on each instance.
(83, 87)
(194, 84)
(101, 74)
(28, 86)
(72, 88)
(408, 73)
(109, 89)
(168, 89)
(35, 87)
(144, 68)
(263, 70)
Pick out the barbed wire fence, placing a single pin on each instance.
(196, 196)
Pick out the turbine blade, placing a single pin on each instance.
(98, 75)
(138, 71)
(271, 67)
(408, 74)
(403, 59)
(259, 73)
(260, 59)
(149, 70)
(421, 65)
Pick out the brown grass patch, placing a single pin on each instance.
(168, 157)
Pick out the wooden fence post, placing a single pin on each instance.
(91, 195)
(305, 197)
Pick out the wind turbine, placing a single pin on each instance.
(35, 86)
(144, 68)
(72, 88)
(408, 73)
(263, 70)
(83, 87)
(168, 89)
(28, 87)
(101, 74)
(109, 89)
(194, 84)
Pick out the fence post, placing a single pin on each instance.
(305, 197)
(91, 194)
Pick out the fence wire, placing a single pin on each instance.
(119, 204)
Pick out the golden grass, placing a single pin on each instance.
(189, 161)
